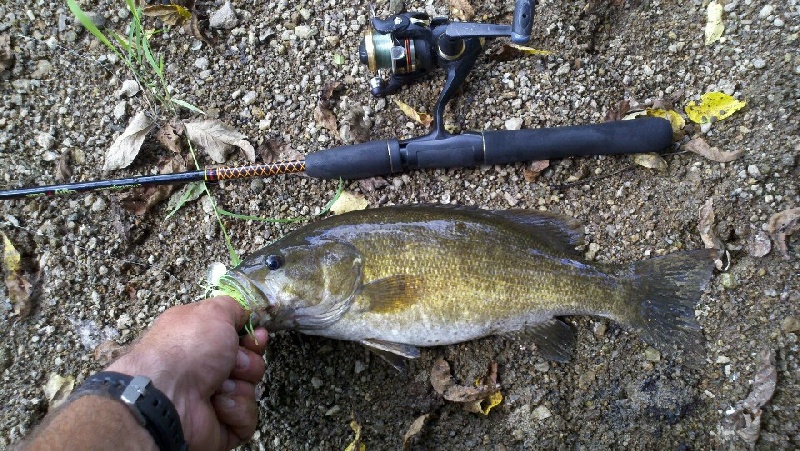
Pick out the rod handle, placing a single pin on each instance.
(649, 134)
(357, 161)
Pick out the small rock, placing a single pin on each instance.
(120, 110)
(759, 244)
(316, 382)
(249, 97)
(592, 252)
(542, 367)
(765, 11)
(303, 31)
(759, 63)
(333, 411)
(651, 354)
(43, 67)
(97, 19)
(727, 280)
(515, 123)
(201, 63)
(224, 17)
(360, 366)
(45, 140)
(541, 413)
(98, 205)
(129, 89)
(790, 324)
(753, 171)
(512, 201)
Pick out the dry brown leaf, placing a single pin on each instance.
(462, 10)
(535, 169)
(198, 30)
(217, 138)
(413, 430)
(743, 421)
(325, 118)
(421, 118)
(171, 14)
(140, 200)
(125, 148)
(781, 225)
(701, 147)
(20, 284)
(63, 171)
(171, 136)
(107, 351)
(650, 161)
(6, 56)
(371, 184)
(57, 389)
(472, 397)
(706, 226)
(619, 111)
(270, 150)
(330, 88)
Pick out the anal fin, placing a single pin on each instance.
(553, 338)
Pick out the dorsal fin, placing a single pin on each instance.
(559, 232)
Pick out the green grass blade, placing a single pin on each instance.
(327, 208)
(89, 25)
(188, 106)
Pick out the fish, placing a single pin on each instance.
(403, 277)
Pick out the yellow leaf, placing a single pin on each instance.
(356, 444)
(10, 255)
(714, 25)
(713, 106)
(349, 202)
(529, 50)
(491, 402)
(650, 161)
(169, 14)
(422, 118)
(675, 119)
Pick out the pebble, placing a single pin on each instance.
(129, 89)
(512, 201)
(790, 324)
(43, 67)
(249, 97)
(201, 63)
(759, 63)
(45, 140)
(765, 11)
(224, 17)
(316, 382)
(97, 19)
(541, 413)
(515, 123)
(98, 205)
(651, 354)
(360, 367)
(303, 31)
(120, 109)
(727, 280)
(333, 411)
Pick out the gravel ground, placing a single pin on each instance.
(108, 273)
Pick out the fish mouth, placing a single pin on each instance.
(246, 293)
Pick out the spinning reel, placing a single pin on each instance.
(411, 45)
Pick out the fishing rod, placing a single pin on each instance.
(411, 46)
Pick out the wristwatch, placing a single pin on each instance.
(151, 408)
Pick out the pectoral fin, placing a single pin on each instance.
(394, 353)
(392, 294)
(554, 339)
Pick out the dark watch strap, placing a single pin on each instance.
(150, 406)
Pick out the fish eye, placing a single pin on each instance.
(273, 262)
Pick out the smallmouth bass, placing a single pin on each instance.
(400, 277)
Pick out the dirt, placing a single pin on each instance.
(106, 273)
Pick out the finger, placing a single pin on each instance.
(239, 414)
(228, 308)
(257, 341)
(249, 366)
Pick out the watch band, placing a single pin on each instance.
(150, 406)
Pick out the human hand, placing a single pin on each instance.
(194, 355)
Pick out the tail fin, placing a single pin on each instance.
(666, 290)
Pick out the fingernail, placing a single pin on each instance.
(226, 402)
(242, 359)
(228, 386)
